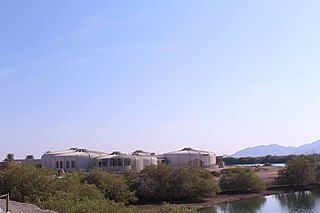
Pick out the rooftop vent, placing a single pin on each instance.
(116, 153)
(187, 149)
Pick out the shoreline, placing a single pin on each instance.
(224, 198)
(266, 173)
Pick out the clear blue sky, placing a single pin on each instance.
(158, 75)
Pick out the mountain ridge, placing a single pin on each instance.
(275, 149)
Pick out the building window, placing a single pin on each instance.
(59, 164)
(112, 162)
(116, 162)
(127, 162)
(67, 164)
(73, 164)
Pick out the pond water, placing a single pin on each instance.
(304, 201)
(257, 164)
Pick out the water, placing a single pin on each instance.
(257, 164)
(304, 201)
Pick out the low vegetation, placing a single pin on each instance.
(300, 171)
(254, 160)
(241, 180)
(41, 187)
(166, 183)
(113, 186)
(266, 159)
(99, 191)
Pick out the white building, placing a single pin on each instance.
(118, 162)
(71, 159)
(191, 157)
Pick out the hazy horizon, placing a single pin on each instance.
(158, 76)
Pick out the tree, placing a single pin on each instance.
(241, 180)
(300, 171)
(167, 183)
(9, 158)
(42, 187)
(29, 157)
(113, 186)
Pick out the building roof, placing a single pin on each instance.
(77, 152)
(189, 150)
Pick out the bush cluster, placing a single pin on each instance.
(113, 186)
(166, 183)
(241, 179)
(300, 171)
(253, 160)
(99, 191)
(41, 187)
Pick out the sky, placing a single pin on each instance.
(158, 75)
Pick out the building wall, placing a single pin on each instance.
(191, 157)
(120, 163)
(69, 160)
(76, 159)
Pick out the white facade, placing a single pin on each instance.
(71, 159)
(191, 157)
(118, 162)
(77, 159)
(147, 157)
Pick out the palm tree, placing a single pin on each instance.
(9, 158)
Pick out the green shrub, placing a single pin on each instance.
(113, 186)
(241, 180)
(300, 171)
(166, 183)
(25, 183)
(70, 194)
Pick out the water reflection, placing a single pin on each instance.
(305, 201)
(243, 206)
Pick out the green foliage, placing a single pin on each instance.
(300, 171)
(24, 182)
(166, 183)
(9, 158)
(266, 159)
(113, 186)
(69, 194)
(92, 191)
(241, 180)
(253, 160)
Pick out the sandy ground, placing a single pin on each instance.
(16, 207)
(266, 173)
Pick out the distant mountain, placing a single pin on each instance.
(275, 149)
